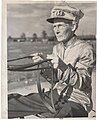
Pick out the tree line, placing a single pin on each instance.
(44, 37)
(34, 38)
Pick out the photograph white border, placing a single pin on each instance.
(4, 53)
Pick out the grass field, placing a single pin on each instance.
(20, 49)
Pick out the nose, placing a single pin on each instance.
(57, 30)
(57, 27)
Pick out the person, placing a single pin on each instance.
(72, 61)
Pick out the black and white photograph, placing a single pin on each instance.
(51, 59)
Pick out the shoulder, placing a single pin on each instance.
(82, 44)
(85, 49)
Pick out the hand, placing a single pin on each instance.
(55, 60)
(36, 57)
(60, 86)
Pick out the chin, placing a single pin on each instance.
(60, 39)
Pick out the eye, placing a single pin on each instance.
(60, 25)
(54, 26)
(65, 25)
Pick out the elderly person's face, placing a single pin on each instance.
(62, 29)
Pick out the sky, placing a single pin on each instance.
(31, 18)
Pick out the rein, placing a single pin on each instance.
(25, 67)
(22, 67)
(19, 58)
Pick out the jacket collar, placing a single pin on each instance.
(70, 42)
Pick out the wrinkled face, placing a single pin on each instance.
(62, 29)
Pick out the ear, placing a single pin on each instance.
(73, 27)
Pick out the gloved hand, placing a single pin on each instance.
(55, 60)
(36, 57)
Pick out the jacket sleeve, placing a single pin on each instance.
(80, 76)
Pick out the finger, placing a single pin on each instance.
(36, 60)
(52, 61)
(36, 54)
(55, 66)
(49, 57)
(40, 53)
(32, 55)
(36, 57)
